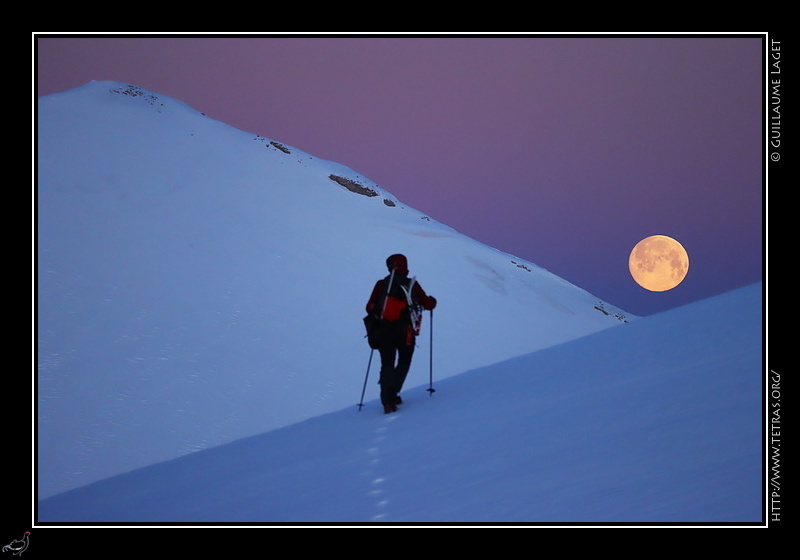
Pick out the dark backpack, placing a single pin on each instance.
(396, 305)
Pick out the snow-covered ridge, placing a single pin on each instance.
(358, 184)
(197, 284)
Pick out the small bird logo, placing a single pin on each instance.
(17, 547)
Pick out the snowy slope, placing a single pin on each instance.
(197, 284)
(656, 422)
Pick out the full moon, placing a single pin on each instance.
(658, 263)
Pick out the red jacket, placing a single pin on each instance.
(396, 303)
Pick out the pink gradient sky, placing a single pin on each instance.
(562, 151)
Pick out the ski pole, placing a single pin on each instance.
(372, 351)
(431, 390)
(364, 388)
(386, 297)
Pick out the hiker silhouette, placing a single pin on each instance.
(396, 302)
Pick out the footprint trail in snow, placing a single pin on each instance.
(377, 488)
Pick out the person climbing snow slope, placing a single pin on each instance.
(397, 301)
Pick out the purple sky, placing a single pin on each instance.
(562, 151)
